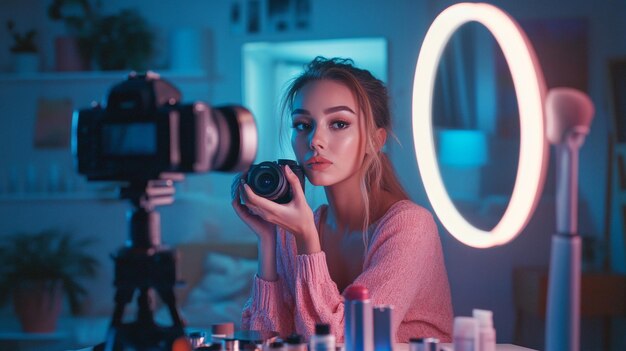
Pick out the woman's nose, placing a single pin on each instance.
(317, 139)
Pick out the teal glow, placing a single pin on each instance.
(267, 70)
(462, 148)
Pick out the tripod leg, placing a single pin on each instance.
(123, 296)
(168, 297)
(144, 301)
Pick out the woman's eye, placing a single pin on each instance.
(340, 125)
(300, 126)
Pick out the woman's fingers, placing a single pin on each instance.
(237, 181)
(254, 199)
(255, 209)
(255, 222)
(242, 206)
(261, 206)
(294, 182)
(244, 212)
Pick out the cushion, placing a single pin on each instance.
(220, 294)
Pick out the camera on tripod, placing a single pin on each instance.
(142, 137)
(145, 130)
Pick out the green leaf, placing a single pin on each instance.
(48, 255)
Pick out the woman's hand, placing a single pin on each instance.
(295, 216)
(264, 230)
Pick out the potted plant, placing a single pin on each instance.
(37, 269)
(73, 52)
(122, 41)
(24, 49)
(117, 41)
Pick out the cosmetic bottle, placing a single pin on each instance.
(295, 342)
(486, 332)
(383, 338)
(220, 331)
(358, 319)
(424, 344)
(323, 340)
(196, 339)
(465, 334)
(277, 346)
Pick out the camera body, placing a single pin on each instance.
(145, 130)
(267, 179)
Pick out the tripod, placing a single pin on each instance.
(145, 265)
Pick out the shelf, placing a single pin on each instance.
(109, 195)
(94, 76)
(81, 196)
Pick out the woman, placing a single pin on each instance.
(369, 233)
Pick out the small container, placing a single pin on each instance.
(295, 342)
(424, 344)
(323, 340)
(465, 334)
(219, 331)
(277, 346)
(358, 321)
(196, 339)
(383, 338)
(486, 332)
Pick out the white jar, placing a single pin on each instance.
(486, 332)
(465, 334)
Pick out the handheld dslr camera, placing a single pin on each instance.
(267, 179)
(144, 130)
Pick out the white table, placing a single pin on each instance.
(448, 347)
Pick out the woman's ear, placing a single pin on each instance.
(380, 138)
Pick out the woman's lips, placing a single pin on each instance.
(318, 163)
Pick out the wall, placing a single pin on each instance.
(604, 41)
(479, 278)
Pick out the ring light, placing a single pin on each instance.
(529, 89)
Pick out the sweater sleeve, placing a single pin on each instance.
(402, 250)
(270, 306)
(265, 309)
(317, 296)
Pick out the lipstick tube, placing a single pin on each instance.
(358, 321)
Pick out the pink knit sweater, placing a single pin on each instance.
(403, 267)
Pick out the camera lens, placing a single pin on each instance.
(267, 180)
(237, 144)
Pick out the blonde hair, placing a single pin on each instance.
(373, 103)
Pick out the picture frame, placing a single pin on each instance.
(250, 17)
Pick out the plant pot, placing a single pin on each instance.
(67, 55)
(38, 305)
(25, 62)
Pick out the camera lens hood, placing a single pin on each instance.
(237, 138)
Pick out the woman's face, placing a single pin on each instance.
(327, 135)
